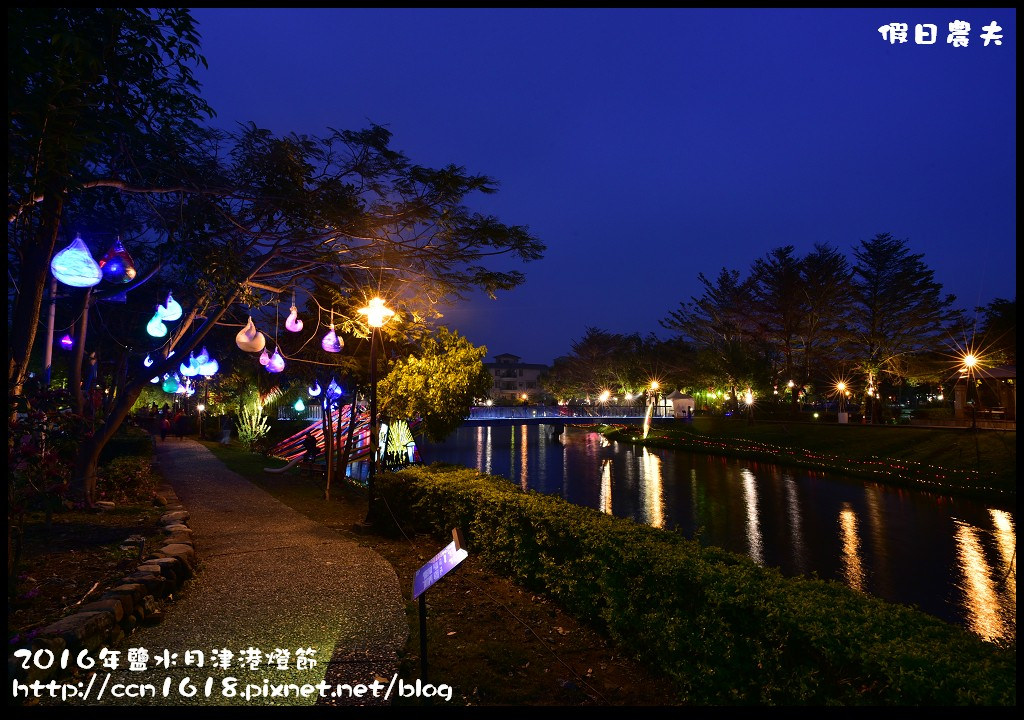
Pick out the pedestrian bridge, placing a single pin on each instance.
(562, 415)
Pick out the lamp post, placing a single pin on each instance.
(200, 407)
(376, 315)
(970, 362)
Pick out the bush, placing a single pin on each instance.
(726, 629)
(129, 441)
(127, 480)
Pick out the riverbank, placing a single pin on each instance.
(977, 464)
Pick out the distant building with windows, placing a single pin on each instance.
(512, 379)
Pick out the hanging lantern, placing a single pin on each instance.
(276, 363)
(170, 384)
(293, 323)
(66, 342)
(250, 339)
(170, 311)
(191, 368)
(155, 380)
(299, 405)
(74, 265)
(208, 369)
(183, 387)
(148, 362)
(316, 390)
(334, 390)
(264, 357)
(156, 327)
(203, 357)
(117, 265)
(331, 342)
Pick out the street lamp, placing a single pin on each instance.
(376, 315)
(200, 407)
(970, 362)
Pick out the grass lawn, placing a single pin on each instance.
(980, 462)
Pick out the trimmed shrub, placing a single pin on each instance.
(727, 630)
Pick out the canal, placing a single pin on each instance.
(953, 558)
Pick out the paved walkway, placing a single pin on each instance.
(269, 578)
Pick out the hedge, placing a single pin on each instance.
(725, 629)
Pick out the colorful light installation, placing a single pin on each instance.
(74, 265)
(316, 390)
(264, 357)
(299, 405)
(148, 362)
(67, 342)
(250, 339)
(156, 326)
(170, 383)
(117, 265)
(334, 390)
(155, 380)
(331, 342)
(171, 311)
(276, 363)
(209, 369)
(191, 368)
(293, 324)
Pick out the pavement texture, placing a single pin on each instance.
(269, 579)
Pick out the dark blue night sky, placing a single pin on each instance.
(646, 146)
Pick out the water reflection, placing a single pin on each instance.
(756, 548)
(650, 489)
(853, 570)
(1006, 541)
(897, 544)
(979, 594)
(793, 514)
(606, 487)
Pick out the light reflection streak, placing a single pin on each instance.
(606, 487)
(795, 529)
(480, 447)
(1006, 541)
(980, 599)
(753, 528)
(853, 570)
(524, 476)
(487, 452)
(651, 489)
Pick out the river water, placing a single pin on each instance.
(950, 557)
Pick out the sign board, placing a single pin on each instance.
(439, 565)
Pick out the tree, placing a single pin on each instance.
(999, 331)
(719, 326)
(439, 383)
(778, 306)
(97, 97)
(898, 309)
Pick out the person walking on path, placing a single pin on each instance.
(165, 426)
(153, 423)
(179, 424)
(309, 444)
(225, 429)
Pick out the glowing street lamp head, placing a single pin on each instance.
(841, 386)
(749, 398)
(604, 396)
(970, 361)
(200, 407)
(376, 313)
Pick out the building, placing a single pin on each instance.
(512, 379)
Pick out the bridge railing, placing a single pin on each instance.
(496, 412)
